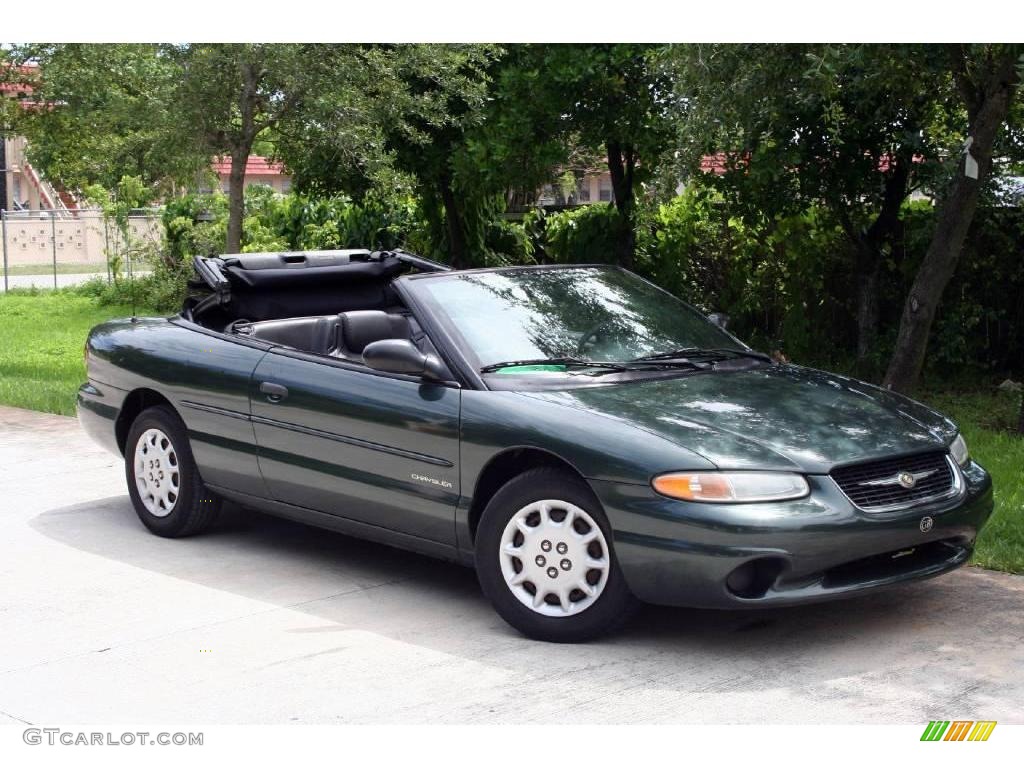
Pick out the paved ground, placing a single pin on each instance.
(46, 280)
(267, 621)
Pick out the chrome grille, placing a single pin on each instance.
(875, 486)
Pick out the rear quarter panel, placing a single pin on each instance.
(204, 376)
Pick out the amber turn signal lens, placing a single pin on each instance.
(697, 487)
(731, 486)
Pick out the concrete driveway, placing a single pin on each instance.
(266, 621)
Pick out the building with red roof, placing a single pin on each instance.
(258, 170)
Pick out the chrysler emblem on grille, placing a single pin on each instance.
(902, 478)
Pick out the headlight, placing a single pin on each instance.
(731, 486)
(958, 450)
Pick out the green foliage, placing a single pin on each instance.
(584, 235)
(421, 146)
(507, 243)
(769, 278)
(981, 318)
(127, 197)
(104, 112)
(803, 125)
(194, 225)
(162, 290)
(338, 222)
(786, 281)
(987, 419)
(559, 107)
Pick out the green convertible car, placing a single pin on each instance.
(581, 437)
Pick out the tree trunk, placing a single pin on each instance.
(236, 201)
(867, 310)
(240, 151)
(454, 223)
(986, 112)
(868, 246)
(621, 164)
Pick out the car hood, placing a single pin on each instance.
(770, 417)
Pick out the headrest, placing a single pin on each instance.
(362, 327)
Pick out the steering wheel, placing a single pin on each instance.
(591, 336)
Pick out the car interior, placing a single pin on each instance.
(331, 303)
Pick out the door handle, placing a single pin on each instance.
(275, 392)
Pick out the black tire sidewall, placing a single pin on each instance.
(610, 610)
(190, 488)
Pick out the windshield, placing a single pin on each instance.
(591, 313)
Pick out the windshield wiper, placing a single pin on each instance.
(685, 354)
(607, 366)
(573, 362)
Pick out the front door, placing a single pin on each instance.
(372, 447)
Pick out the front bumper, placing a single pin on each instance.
(816, 548)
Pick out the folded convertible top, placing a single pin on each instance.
(258, 271)
(261, 286)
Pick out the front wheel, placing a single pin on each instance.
(545, 561)
(163, 482)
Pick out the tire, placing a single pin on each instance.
(163, 482)
(520, 540)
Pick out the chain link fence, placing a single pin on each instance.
(56, 248)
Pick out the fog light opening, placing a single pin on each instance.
(754, 578)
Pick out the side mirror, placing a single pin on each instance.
(402, 356)
(720, 319)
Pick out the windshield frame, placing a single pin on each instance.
(444, 333)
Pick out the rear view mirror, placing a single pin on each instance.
(720, 319)
(402, 356)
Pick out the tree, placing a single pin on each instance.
(398, 112)
(229, 95)
(987, 78)
(163, 112)
(611, 98)
(429, 98)
(795, 126)
(94, 114)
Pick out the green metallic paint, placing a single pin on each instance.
(779, 417)
(98, 407)
(362, 446)
(679, 553)
(188, 369)
(397, 460)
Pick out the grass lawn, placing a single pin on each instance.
(41, 368)
(43, 336)
(986, 419)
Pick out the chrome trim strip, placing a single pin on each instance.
(955, 490)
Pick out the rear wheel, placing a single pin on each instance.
(163, 483)
(544, 559)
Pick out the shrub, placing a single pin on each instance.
(781, 282)
(583, 235)
(162, 290)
